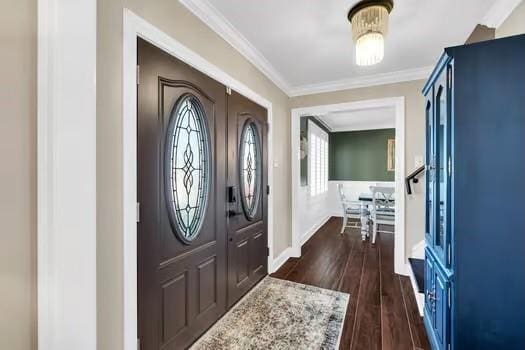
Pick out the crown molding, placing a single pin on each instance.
(365, 81)
(499, 12)
(208, 14)
(212, 17)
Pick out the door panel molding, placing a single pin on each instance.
(133, 27)
(177, 288)
(168, 262)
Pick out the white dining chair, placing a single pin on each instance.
(351, 210)
(383, 209)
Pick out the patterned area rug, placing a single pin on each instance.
(279, 314)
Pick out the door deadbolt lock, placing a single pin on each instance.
(232, 194)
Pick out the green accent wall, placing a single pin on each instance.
(360, 155)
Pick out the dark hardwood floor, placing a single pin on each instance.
(382, 312)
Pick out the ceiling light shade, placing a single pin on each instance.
(369, 20)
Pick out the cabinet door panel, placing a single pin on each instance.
(442, 165)
(429, 284)
(441, 312)
(429, 177)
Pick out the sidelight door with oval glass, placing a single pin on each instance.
(248, 198)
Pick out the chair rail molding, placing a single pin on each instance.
(66, 172)
(133, 27)
(399, 105)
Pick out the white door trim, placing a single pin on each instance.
(135, 26)
(399, 104)
(66, 175)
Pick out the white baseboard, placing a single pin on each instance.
(280, 260)
(306, 236)
(295, 252)
(418, 251)
(420, 297)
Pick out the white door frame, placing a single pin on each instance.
(399, 105)
(66, 175)
(135, 26)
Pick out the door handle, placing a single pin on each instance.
(232, 199)
(431, 296)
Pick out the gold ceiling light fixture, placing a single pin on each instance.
(369, 19)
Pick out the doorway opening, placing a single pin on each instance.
(387, 116)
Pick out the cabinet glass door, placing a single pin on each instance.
(429, 176)
(442, 157)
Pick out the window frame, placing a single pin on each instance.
(318, 158)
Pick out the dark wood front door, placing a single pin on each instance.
(197, 252)
(247, 195)
(182, 247)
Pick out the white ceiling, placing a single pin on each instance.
(363, 119)
(306, 46)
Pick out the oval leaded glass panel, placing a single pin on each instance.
(250, 169)
(187, 167)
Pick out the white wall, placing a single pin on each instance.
(313, 212)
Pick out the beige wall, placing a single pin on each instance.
(175, 20)
(18, 175)
(414, 139)
(514, 24)
(481, 33)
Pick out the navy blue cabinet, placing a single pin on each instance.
(475, 197)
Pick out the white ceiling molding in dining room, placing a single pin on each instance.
(306, 47)
(359, 119)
